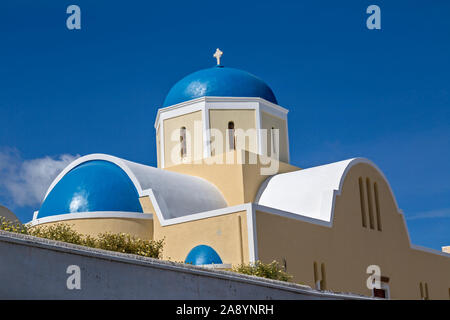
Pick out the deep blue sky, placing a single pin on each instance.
(381, 94)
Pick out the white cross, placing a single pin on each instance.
(218, 54)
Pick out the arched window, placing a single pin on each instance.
(183, 142)
(231, 136)
(273, 141)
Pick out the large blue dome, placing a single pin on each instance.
(95, 185)
(219, 82)
(201, 255)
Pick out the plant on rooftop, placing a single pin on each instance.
(12, 226)
(119, 242)
(266, 270)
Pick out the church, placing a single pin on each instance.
(225, 193)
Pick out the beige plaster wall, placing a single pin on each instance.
(348, 248)
(227, 234)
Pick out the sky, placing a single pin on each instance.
(352, 92)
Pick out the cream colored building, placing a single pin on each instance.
(225, 193)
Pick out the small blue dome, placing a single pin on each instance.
(219, 82)
(95, 185)
(202, 254)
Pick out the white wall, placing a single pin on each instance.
(32, 268)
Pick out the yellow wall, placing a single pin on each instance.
(347, 249)
(227, 234)
(268, 122)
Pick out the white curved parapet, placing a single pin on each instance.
(309, 192)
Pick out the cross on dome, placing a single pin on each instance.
(218, 54)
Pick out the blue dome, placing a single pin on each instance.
(219, 82)
(203, 255)
(96, 185)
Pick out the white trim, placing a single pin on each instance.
(269, 106)
(252, 236)
(274, 110)
(287, 142)
(91, 215)
(206, 133)
(258, 124)
(192, 217)
(162, 147)
(216, 266)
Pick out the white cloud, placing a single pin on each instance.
(439, 213)
(24, 182)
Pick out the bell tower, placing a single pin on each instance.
(216, 110)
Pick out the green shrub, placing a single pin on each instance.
(120, 242)
(266, 270)
(59, 232)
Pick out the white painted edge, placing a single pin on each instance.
(206, 132)
(162, 147)
(216, 266)
(192, 217)
(91, 215)
(252, 236)
(274, 108)
(258, 122)
(287, 142)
